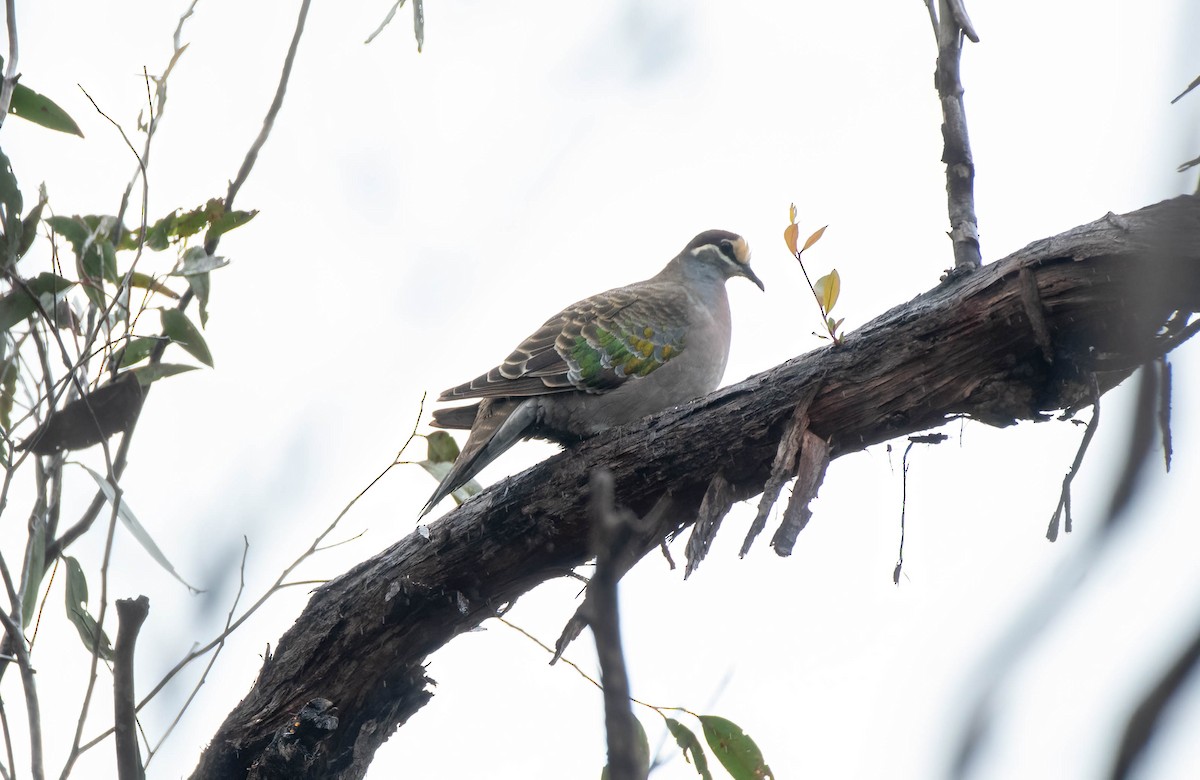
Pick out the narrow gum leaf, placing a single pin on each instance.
(790, 234)
(178, 328)
(814, 238)
(792, 214)
(693, 751)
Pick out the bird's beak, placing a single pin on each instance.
(749, 274)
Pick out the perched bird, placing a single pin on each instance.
(605, 361)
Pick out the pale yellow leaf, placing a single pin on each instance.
(792, 214)
(828, 287)
(814, 238)
(790, 234)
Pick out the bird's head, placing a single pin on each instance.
(727, 253)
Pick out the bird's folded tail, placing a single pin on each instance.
(457, 417)
(499, 424)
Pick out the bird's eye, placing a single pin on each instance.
(727, 247)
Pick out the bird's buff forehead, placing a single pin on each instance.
(741, 250)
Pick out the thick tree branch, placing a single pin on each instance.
(967, 347)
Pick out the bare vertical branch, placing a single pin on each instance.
(612, 532)
(10, 70)
(950, 25)
(12, 627)
(268, 121)
(131, 613)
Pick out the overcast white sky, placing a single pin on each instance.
(420, 214)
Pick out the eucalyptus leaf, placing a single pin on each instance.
(85, 624)
(41, 110)
(32, 581)
(8, 390)
(147, 374)
(130, 521)
(17, 305)
(137, 350)
(178, 328)
(689, 743)
(734, 749)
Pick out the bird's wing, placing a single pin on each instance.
(594, 345)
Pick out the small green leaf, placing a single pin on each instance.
(227, 221)
(37, 570)
(196, 261)
(686, 738)
(70, 228)
(147, 374)
(734, 749)
(16, 306)
(442, 448)
(158, 235)
(30, 223)
(10, 194)
(8, 390)
(41, 110)
(136, 351)
(130, 521)
(192, 222)
(178, 328)
(85, 624)
(147, 282)
(201, 286)
(108, 256)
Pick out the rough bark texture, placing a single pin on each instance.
(1104, 294)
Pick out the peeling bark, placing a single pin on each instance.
(814, 460)
(967, 347)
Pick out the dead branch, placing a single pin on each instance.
(966, 347)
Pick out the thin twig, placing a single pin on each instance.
(269, 120)
(211, 661)
(1063, 510)
(32, 710)
(11, 769)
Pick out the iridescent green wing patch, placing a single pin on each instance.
(632, 342)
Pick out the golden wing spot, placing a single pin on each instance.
(649, 333)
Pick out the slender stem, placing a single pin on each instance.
(32, 711)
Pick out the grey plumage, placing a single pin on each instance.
(605, 361)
